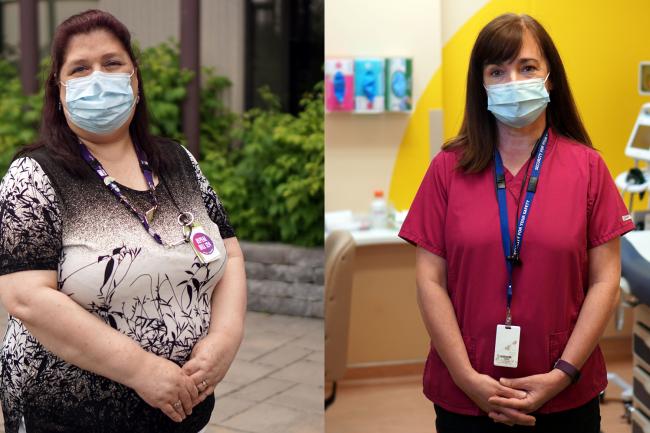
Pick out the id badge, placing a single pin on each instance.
(506, 349)
(202, 244)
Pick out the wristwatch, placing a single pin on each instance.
(568, 369)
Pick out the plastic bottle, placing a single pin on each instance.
(379, 211)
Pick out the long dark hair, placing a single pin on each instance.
(54, 134)
(499, 42)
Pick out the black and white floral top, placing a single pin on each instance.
(108, 264)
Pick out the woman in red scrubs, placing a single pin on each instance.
(517, 223)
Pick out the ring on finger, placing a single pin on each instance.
(203, 385)
(177, 405)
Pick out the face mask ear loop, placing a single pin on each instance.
(547, 75)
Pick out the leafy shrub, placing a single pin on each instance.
(19, 114)
(165, 88)
(273, 183)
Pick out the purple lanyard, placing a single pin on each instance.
(112, 185)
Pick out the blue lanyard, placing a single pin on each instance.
(512, 249)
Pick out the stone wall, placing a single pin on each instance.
(284, 279)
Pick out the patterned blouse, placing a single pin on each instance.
(107, 263)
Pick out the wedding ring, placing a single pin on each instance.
(178, 404)
(203, 384)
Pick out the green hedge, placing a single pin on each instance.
(266, 166)
(274, 180)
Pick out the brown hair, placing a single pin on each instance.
(500, 42)
(54, 134)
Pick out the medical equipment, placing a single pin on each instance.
(638, 145)
(637, 179)
(635, 264)
(644, 78)
(635, 252)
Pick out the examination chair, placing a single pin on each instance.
(339, 267)
(635, 291)
(635, 265)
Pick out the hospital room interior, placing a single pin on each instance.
(395, 80)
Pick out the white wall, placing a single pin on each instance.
(360, 150)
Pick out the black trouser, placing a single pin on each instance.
(583, 419)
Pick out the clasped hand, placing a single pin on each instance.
(510, 401)
(177, 390)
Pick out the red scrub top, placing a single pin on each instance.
(456, 216)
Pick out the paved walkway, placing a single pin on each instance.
(276, 383)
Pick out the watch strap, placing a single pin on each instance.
(568, 369)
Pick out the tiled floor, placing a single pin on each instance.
(276, 383)
(396, 405)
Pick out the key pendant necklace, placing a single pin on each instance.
(145, 219)
(150, 214)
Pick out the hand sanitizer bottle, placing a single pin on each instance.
(379, 211)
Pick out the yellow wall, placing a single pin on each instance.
(601, 44)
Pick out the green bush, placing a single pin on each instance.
(19, 114)
(273, 183)
(165, 88)
(266, 166)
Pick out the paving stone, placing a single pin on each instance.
(282, 304)
(305, 372)
(226, 407)
(312, 341)
(307, 398)
(307, 423)
(244, 372)
(263, 389)
(225, 388)
(283, 355)
(257, 344)
(297, 326)
(318, 356)
(265, 418)
(219, 429)
(256, 321)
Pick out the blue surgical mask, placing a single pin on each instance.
(100, 102)
(518, 103)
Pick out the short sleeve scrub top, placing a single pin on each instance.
(456, 216)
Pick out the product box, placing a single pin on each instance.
(399, 84)
(369, 87)
(339, 84)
